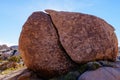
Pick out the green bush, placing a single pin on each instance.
(72, 75)
(94, 65)
(15, 59)
(83, 68)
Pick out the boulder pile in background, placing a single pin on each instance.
(6, 52)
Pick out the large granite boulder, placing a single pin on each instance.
(85, 37)
(40, 47)
(103, 73)
(53, 43)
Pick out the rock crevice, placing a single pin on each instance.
(59, 42)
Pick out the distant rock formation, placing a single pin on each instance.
(15, 47)
(4, 46)
(51, 44)
(6, 51)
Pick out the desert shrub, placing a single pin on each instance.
(1, 60)
(15, 59)
(3, 66)
(82, 68)
(88, 66)
(72, 75)
(93, 65)
(7, 65)
(8, 70)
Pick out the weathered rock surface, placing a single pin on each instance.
(85, 37)
(104, 73)
(40, 47)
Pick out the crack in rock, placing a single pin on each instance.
(61, 46)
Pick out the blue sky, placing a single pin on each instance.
(14, 13)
